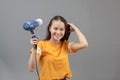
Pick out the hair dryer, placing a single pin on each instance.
(31, 25)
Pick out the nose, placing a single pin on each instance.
(58, 32)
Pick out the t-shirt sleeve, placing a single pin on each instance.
(39, 48)
(70, 48)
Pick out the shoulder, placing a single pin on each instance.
(65, 42)
(41, 43)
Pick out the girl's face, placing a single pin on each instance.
(57, 30)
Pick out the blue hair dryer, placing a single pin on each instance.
(31, 25)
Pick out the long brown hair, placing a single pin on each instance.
(67, 32)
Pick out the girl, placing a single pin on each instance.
(52, 52)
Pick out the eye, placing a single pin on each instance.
(61, 29)
(55, 28)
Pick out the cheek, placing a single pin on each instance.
(51, 31)
(63, 33)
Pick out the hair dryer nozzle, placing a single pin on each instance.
(39, 21)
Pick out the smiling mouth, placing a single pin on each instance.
(57, 36)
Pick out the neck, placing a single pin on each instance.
(54, 41)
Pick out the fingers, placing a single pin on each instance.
(70, 27)
(71, 24)
(34, 41)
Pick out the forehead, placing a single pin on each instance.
(58, 23)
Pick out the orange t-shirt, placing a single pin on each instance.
(54, 62)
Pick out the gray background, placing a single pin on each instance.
(99, 20)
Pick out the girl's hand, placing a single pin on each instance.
(72, 27)
(34, 41)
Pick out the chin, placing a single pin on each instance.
(57, 39)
